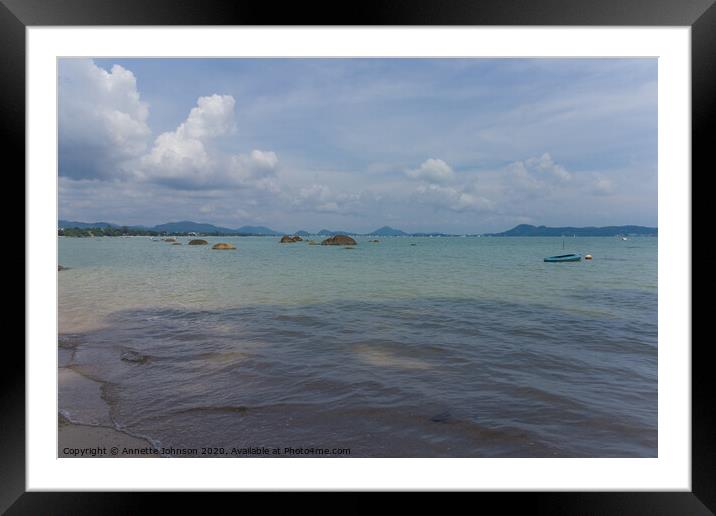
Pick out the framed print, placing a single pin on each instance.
(435, 249)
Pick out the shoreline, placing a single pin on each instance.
(94, 436)
(76, 440)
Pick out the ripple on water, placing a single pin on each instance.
(429, 377)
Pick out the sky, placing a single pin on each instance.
(451, 145)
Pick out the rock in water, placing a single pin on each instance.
(170, 239)
(339, 240)
(442, 417)
(134, 356)
(198, 242)
(176, 243)
(223, 245)
(61, 268)
(288, 239)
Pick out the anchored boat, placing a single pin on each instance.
(564, 258)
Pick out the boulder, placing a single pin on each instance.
(134, 356)
(442, 417)
(198, 242)
(339, 240)
(223, 245)
(288, 239)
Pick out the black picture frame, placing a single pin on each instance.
(700, 15)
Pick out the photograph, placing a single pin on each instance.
(357, 257)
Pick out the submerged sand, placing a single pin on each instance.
(81, 399)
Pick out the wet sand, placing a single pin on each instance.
(95, 436)
(76, 440)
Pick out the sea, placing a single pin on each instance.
(406, 347)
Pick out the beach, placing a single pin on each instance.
(97, 437)
(94, 441)
(407, 347)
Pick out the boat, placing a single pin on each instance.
(564, 258)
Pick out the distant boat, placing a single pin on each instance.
(564, 258)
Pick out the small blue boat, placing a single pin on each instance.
(564, 258)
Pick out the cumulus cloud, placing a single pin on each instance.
(257, 170)
(255, 166)
(532, 178)
(360, 164)
(186, 158)
(438, 188)
(180, 157)
(102, 120)
(321, 198)
(546, 164)
(452, 198)
(433, 171)
(213, 116)
(104, 135)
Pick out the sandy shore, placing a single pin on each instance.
(81, 397)
(96, 441)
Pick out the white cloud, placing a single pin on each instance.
(452, 198)
(321, 198)
(180, 157)
(532, 178)
(433, 171)
(102, 120)
(315, 193)
(186, 158)
(255, 166)
(546, 164)
(255, 170)
(213, 116)
(369, 170)
(603, 186)
(177, 158)
(439, 190)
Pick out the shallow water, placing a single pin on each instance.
(459, 347)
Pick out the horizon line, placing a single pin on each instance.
(352, 232)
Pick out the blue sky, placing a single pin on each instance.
(455, 145)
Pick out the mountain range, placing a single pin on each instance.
(529, 230)
(187, 226)
(184, 226)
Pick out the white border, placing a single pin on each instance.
(670, 471)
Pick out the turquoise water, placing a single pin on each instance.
(449, 347)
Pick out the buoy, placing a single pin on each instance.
(587, 256)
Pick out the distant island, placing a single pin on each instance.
(526, 230)
(189, 228)
(182, 228)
